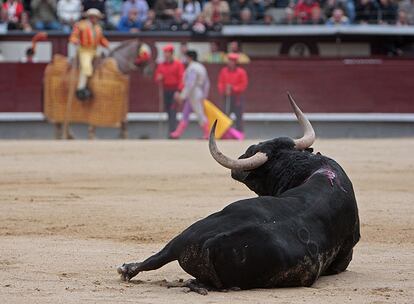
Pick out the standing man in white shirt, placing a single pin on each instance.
(196, 88)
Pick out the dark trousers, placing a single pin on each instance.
(171, 108)
(235, 104)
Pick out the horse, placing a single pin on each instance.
(109, 83)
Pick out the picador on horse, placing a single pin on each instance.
(92, 90)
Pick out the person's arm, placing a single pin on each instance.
(143, 12)
(103, 41)
(74, 36)
(190, 83)
(241, 83)
(158, 75)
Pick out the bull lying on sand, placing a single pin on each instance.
(303, 224)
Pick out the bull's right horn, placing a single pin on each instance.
(308, 137)
(250, 163)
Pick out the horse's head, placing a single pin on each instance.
(132, 55)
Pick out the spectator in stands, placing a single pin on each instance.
(68, 12)
(246, 17)
(165, 10)
(235, 49)
(215, 55)
(303, 10)
(44, 15)
(289, 17)
(191, 9)
(347, 6)
(130, 23)
(259, 8)
(12, 14)
(236, 8)
(216, 13)
(402, 19)
(232, 83)
(338, 18)
(113, 10)
(366, 11)
(178, 23)
(388, 12)
(199, 27)
(268, 19)
(169, 76)
(151, 23)
(140, 5)
(25, 25)
(316, 16)
(407, 6)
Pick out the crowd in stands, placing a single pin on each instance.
(201, 16)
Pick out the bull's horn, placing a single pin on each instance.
(308, 133)
(250, 163)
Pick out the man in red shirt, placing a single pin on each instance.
(169, 75)
(303, 10)
(232, 83)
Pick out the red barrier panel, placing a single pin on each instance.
(319, 85)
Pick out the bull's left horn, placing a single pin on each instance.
(250, 163)
(308, 137)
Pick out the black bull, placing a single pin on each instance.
(303, 224)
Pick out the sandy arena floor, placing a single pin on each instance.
(70, 212)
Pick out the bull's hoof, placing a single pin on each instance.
(127, 271)
(123, 271)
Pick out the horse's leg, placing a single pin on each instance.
(123, 130)
(58, 130)
(91, 132)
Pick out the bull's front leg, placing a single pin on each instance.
(130, 270)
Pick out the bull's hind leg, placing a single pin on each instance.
(130, 270)
(192, 285)
(340, 263)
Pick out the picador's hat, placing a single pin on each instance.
(94, 12)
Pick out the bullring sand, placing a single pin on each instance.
(70, 212)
